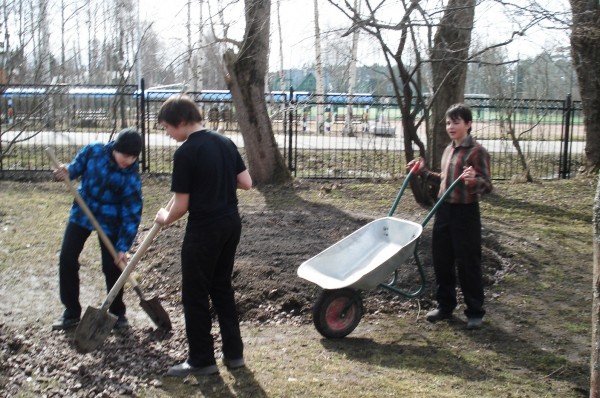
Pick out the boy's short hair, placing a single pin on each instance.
(177, 109)
(460, 111)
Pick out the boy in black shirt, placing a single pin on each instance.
(207, 170)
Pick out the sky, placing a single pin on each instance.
(298, 29)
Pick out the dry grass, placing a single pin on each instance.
(535, 342)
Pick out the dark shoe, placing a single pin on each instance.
(185, 369)
(64, 323)
(474, 323)
(234, 363)
(437, 315)
(122, 323)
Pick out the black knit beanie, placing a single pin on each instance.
(128, 142)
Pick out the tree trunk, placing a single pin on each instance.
(348, 130)
(449, 69)
(585, 50)
(246, 80)
(281, 71)
(189, 60)
(507, 127)
(200, 57)
(595, 360)
(320, 91)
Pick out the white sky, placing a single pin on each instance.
(298, 29)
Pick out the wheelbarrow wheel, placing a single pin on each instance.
(336, 313)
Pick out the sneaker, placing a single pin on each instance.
(64, 323)
(474, 323)
(234, 363)
(437, 315)
(122, 323)
(185, 369)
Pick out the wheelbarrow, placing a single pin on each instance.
(368, 258)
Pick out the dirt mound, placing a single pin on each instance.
(274, 243)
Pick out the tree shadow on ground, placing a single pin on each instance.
(413, 352)
(538, 209)
(529, 355)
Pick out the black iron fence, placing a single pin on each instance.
(331, 136)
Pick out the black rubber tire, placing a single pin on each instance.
(328, 315)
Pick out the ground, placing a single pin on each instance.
(536, 263)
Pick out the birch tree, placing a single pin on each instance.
(42, 55)
(352, 76)
(194, 48)
(280, 35)
(320, 89)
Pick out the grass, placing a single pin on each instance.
(526, 348)
(535, 342)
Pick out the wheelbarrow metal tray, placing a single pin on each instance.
(365, 258)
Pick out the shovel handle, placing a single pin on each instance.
(133, 262)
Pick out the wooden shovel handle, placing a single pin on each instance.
(133, 262)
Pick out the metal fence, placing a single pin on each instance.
(334, 136)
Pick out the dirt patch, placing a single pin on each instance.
(276, 241)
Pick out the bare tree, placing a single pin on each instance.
(194, 48)
(41, 49)
(449, 68)
(585, 49)
(247, 70)
(499, 81)
(13, 51)
(410, 53)
(281, 73)
(595, 359)
(352, 76)
(68, 12)
(320, 90)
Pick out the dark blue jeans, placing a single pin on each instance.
(207, 257)
(456, 246)
(72, 246)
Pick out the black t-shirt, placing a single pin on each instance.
(206, 166)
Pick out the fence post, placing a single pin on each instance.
(290, 136)
(565, 170)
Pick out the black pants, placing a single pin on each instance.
(207, 258)
(72, 246)
(456, 245)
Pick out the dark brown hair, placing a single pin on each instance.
(460, 111)
(177, 109)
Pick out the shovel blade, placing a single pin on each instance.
(94, 328)
(157, 313)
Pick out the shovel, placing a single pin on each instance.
(96, 324)
(152, 306)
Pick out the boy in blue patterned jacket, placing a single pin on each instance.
(111, 187)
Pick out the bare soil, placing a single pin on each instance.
(524, 264)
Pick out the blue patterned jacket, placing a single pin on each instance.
(113, 195)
